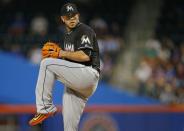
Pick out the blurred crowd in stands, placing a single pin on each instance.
(161, 70)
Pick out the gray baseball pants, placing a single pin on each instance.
(80, 83)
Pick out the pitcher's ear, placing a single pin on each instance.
(62, 19)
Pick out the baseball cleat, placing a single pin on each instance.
(39, 118)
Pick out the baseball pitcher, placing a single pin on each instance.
(76, 64)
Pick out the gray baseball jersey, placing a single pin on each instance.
(80, 78)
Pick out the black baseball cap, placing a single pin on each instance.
(69, 9)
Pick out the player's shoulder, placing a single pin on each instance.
(85, 28)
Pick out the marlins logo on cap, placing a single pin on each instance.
(69, 9)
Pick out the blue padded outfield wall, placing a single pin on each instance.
(18, 79)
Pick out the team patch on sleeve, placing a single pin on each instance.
(85, 42)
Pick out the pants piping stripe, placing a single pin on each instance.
(45, 78)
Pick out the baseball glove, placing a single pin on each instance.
(50, 49)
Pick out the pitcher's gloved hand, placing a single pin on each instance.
(50, 49)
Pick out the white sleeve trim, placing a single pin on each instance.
(85, 47)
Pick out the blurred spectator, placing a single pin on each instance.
(39, 25)
(175, 56)
(152, 47)
(164, 53)
(180, 74)
(142, 74)
(167, 95)
(99, 25)
(109, 44)
(170, 72)
(143, 71)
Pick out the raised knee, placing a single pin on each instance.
(45, 62)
